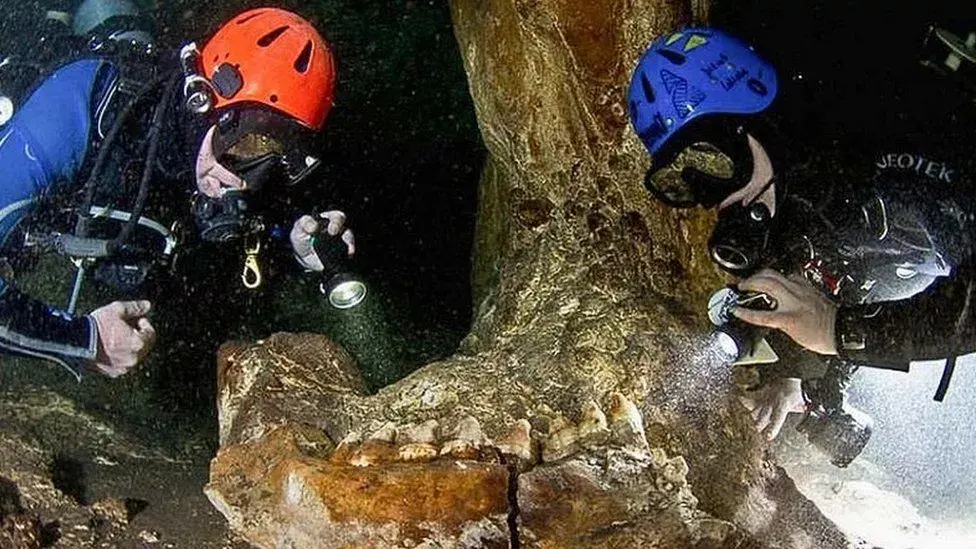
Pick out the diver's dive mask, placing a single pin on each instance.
(702, 171)
(706, 171)
(282, 157)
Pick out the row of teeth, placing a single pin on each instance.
(621, 428)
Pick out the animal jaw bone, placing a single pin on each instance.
(445, 480)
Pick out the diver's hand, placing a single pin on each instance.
(802, 312)
(305, 229)
(771, 404)
(124, 336)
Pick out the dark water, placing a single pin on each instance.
(402, 157)
(852, 67)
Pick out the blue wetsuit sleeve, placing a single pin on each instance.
(935, 324)
(30, 327)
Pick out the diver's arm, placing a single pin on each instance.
(937, 323)
(30, 327)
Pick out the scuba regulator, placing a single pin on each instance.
(740, 241)
(225, 219)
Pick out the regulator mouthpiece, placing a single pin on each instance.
(741, 237)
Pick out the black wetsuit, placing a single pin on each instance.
(888, 232)
(938, 321)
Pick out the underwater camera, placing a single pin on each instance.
(343, 287)
(841, 433)
(734, 338)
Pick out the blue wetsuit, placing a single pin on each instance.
(45, 142)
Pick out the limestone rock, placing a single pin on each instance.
(584, 409)
(278, 495)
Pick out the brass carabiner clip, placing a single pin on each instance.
(251, 277)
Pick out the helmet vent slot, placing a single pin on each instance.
(758, 87)
(648, 88)
(247, 18)
(304, 58)
(269, 38)
(672, 56)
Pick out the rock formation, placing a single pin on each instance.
(585, 408)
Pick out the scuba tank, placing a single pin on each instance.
(110, 29)
(118, 20)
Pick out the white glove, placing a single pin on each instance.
(125, 336)
(771, 404)
(305, 229)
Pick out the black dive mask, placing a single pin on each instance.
(290, 167)
(740, 241)
(259, 171)
(226, 218)
(703, 170)
(271, 169)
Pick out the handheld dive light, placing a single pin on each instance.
(839, 430)
(343, 287)
(735, 338)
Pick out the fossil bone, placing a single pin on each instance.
(626, 423)
(468, 441)
(593, 429)
(518, 443)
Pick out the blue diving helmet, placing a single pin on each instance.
(693, 99)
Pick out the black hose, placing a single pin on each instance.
(150, 165)
(81, 229)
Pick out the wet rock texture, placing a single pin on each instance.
(42, 499)
(71, 481)
(584, 409)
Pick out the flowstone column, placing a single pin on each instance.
(585, 408)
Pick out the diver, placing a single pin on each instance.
(868, 265)
(103, 138)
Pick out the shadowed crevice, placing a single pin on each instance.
(68, 475)
(513, 505)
